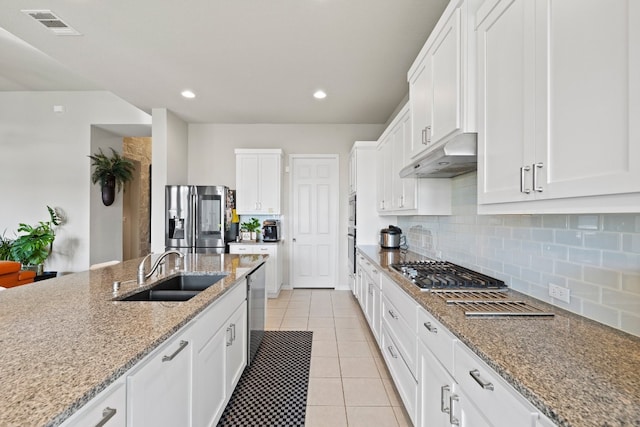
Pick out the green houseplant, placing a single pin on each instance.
(5, 248)
(252, 226)
(112, 172)
(34, 246)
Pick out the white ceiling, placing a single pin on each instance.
(248, 61)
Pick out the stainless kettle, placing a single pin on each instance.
(391, 238)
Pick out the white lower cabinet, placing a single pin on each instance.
(107, 409)
(400, 373)
(456, 388)
(273, 266)
(500, 403)
(210, 387)
(220, 356)
(236, 347)
(159, 390)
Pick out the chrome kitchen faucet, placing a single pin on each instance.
(141, 274)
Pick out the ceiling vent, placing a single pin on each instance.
(52, 22)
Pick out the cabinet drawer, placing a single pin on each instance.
(403, 335)
(500, 403)
(405, 305)
(372, 271)
(402, 377)
(108, 407)
(436, 338)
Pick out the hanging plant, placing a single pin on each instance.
(111, 172)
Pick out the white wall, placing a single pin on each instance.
(212, 159)
(105, 221)
(169, 166)
(43, 161)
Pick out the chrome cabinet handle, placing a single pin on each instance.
(393, 353)
(107, 414)
(182, 346)
(428, 133)
(370, 290)
(229, 337)
(395, 316)
(424, 136)
(444, 389)
(233, 332)
(452, 419)
(536, 166)
(522, 171)
(430, 328)
(475, 374)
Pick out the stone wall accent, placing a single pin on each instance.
(139, 148)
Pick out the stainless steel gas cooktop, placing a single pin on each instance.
(431, 275)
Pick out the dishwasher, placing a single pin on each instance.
(256, 310)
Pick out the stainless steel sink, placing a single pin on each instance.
(178, 288)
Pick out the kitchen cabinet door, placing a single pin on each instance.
(587, 130)
(505, 128)
(270, 183)
(434, 391)
(421, 105)
(404, 189)
(442, 79)
(446, 74)
(247, 179)
(556, 121)
(159, 392)
(210, 385)
(236, 346)
(384, 164)
(258, 181)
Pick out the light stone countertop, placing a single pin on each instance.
(578, 372)
(64, 340)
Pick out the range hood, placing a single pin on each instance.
(445, 160)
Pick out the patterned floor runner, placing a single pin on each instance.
(273, 389)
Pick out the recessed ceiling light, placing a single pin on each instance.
(320, 94)
(188, 94)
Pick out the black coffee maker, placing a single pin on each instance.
(271, 230)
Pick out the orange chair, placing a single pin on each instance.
(11, 275)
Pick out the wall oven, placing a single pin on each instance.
(351, 234)
(351, 244)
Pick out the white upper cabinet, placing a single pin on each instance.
(559, 88)
(442, 79)
(258, 181)
(406, 196)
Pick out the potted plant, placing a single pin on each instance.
(253, 227)
(111, 172)
(34, 246)
(5, 248)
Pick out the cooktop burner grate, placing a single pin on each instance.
(430, 275)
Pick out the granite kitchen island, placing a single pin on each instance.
(66, 339)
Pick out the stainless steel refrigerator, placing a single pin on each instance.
(196, 218)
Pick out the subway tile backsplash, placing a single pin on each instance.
(596, 256)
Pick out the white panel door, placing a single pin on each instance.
(314, 251)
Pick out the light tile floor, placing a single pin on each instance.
(349, 384)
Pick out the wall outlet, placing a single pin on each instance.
(558, 292)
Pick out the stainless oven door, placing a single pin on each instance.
(351, 249)
(352, 211)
